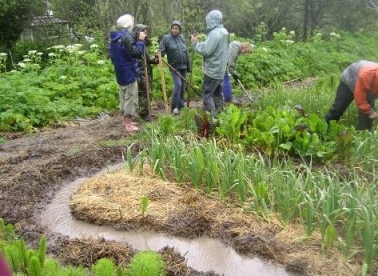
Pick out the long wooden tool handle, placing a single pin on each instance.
(191, 78)
(147, 82)
(162, 79)
(181, 77)
(245, 91)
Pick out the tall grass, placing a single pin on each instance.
(369, 224)
(341, 207)
(364, 153)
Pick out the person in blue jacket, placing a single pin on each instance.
(124, 52)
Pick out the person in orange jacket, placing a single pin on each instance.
(358, 82)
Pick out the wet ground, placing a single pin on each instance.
(34, 166)
(201, 253)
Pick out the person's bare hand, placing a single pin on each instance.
(193, 38)
(373, 115)
(142, 36)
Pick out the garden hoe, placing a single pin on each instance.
(181, 76)
(245, 91)
(191, 74)
(190, 79)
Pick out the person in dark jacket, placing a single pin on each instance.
(142, 81)
(358, 82)
(174, 46)
(124, 51)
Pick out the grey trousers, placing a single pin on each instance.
(212, 95)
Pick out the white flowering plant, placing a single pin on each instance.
(76, 80)
(3, 60)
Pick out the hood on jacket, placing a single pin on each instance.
(178, 23)
(125, 22)
(213, 19)
(139, 28)
(115, 35)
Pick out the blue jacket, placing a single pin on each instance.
(124, 51)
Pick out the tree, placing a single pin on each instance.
(15, 15)
(243, 17)
(372, 4)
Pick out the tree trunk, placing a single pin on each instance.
(306, 18)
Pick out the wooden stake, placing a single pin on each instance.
(147, 82)
(162, 79)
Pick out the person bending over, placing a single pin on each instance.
(358, 82)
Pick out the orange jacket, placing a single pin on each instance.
(367, 81)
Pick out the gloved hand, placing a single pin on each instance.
(236, 77)
(373, 115)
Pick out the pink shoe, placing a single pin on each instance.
(125, 122)
(131, 128)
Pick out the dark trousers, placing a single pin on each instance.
(344, 96)
(142, 94)
(178, 89)
(227, 89)
(212, 95)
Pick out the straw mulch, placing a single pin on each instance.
(115, 199)
(86, 252)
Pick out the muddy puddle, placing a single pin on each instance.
(202, 254)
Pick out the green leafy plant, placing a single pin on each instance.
(14, 257)
(7, 231)
(42, 250)
(34, 267)
(130, 160)
(230, 122)
(104, 267)
(167, 124)
(144, 203)
(205, 123)
(52, 267)
(146, 263)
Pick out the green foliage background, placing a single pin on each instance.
(63, 84)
